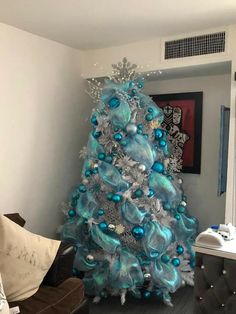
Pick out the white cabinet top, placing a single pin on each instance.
(228, 250)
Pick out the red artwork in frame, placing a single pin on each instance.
(183, 121)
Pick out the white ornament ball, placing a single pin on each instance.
(183, 283)
(111, 227)
(95, 165)
(180, 181)
(183, 203)
(142, 167)
(131, 128)
(85, 181)
(90, 258)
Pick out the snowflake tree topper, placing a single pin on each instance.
(122, 72)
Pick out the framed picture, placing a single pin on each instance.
(223, 150)
(183, 121)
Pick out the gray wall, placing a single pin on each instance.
(201, 190)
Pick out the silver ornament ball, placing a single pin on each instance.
(180, 181)
(183, 203)
(131, 128)
(90, 258)
(142, 167)
(111, 227)
(147, 276)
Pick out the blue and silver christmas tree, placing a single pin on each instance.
(128, 219)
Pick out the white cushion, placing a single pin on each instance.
(25, 259)
(4, 308)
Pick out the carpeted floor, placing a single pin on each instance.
(182, 299)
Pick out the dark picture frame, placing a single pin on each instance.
(223, 149)
(187, 107)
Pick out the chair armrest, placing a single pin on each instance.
(62, 265)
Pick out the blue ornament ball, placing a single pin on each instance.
(131, 84)
(177, 216)
(151, 192)
(140, 131)
(154, 254)
(158, 133)
(146, 294)
(109, 196)
(165, 258)
(140, 84)
(158, 166)
(123, 143)
(149, 117)
(97, 134)
(101, 156)
(118, 137)
(180, 249)
(133, 92)
(166, 206)
(71, 213)
(138, 232)
(82, 188)
(140, 126)
(138, 193)
(101, 212)
(175, 261)
(88, 173)
(103, 225)
(109, 159)
(94, 120)
(114, 102)
(116, 198)
(150, 110)
(95, 170)
(162, 143)
(181, 209)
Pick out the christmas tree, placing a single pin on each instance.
(128, 218)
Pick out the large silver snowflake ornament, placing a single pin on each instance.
(123, 71)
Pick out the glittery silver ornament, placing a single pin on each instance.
(131, 128)
(95, 165)
(111, 227)
(180, 181)
(120, 229)
(142, 167)
(90, 258)
(147, 276)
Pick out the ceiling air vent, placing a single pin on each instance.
(195, 46)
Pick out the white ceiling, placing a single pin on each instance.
(91, 24)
